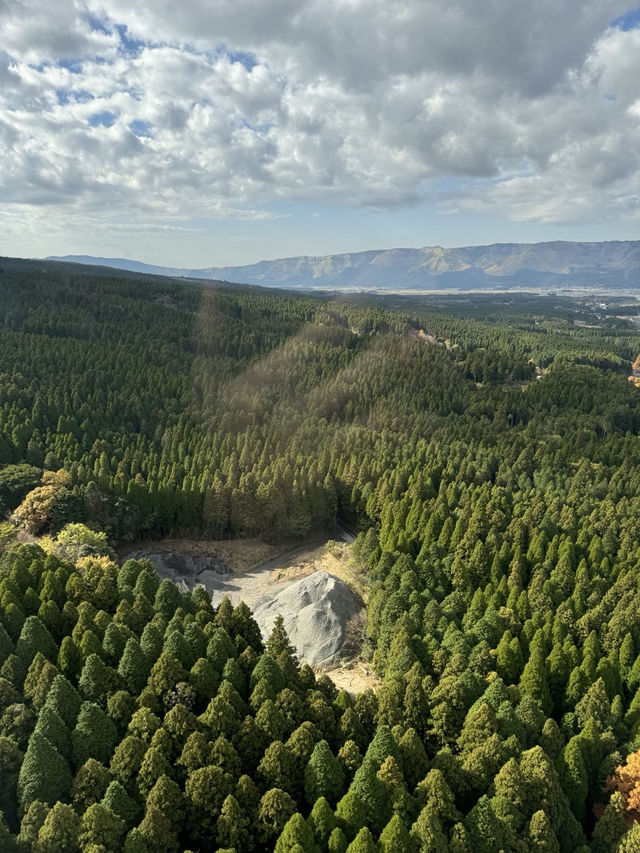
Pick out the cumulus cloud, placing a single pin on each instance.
(175, 111)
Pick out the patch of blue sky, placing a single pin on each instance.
(249, 60)
(141, 128)
(629, 21)
(263, 127)
(78, 96)
(72, 65)
(97, 25)
(102, 119)
(129, 45)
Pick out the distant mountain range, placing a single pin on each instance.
(560, 264)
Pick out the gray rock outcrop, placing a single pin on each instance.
(184, 569)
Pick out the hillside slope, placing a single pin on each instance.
(533, 265)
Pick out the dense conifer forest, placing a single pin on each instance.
(485, 449)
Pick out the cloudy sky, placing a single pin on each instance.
(205, 133)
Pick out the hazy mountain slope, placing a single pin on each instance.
(125, 264)
(557, 264)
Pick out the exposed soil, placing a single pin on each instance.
(239, 555)
(315, 586)
(354, 677)
(332, 556)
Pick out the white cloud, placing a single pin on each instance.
(530, 109)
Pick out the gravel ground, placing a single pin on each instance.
(317, 609)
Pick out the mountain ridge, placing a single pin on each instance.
(556, 263)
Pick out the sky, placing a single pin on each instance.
(213, 133)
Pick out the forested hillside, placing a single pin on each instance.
(490, 463)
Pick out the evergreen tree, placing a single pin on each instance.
(351, 814)
(89, 785)
(94, 735)
(44, 774)
(541, 835)
(574, 776)
(296, 833)
(51, 726)
(337, 842)
(120, 803)
(94, 680)
(99, 826)
(395, 837)
(274, 810)
(34, 638)
(630, 841)
(64, 700)
(133, 666)
(233, 829)
(59, 832)
(127, 759)
(323, 775)
(205, 790)
(322, 821)
(278, 642)
(31, 823)
(611, 826)
(363, 842)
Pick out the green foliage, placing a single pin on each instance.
(337, 842)
(15, 482)
(31, 823)
(541, 835)
(52, 727)
(117, 799)
(133, 666)
(276, 768)
(135, 842)
(395, 837)
(498, 540)
(6, 646)
(127, 759)
(205, 790)
(363, 842)
(295, 833)
(100, 826)
(94, 735)
(274, 810)
(34, 638)
(89, 785)
(94, 679)
(59, 832)
(351, 814)
(323, 775)
(77, 540)
(233, 827)
(322, 821)
(44, 774)
(63, 698)
(278, 642)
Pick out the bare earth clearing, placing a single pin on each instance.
(315, 586)
(354, 677)
(239, 554)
